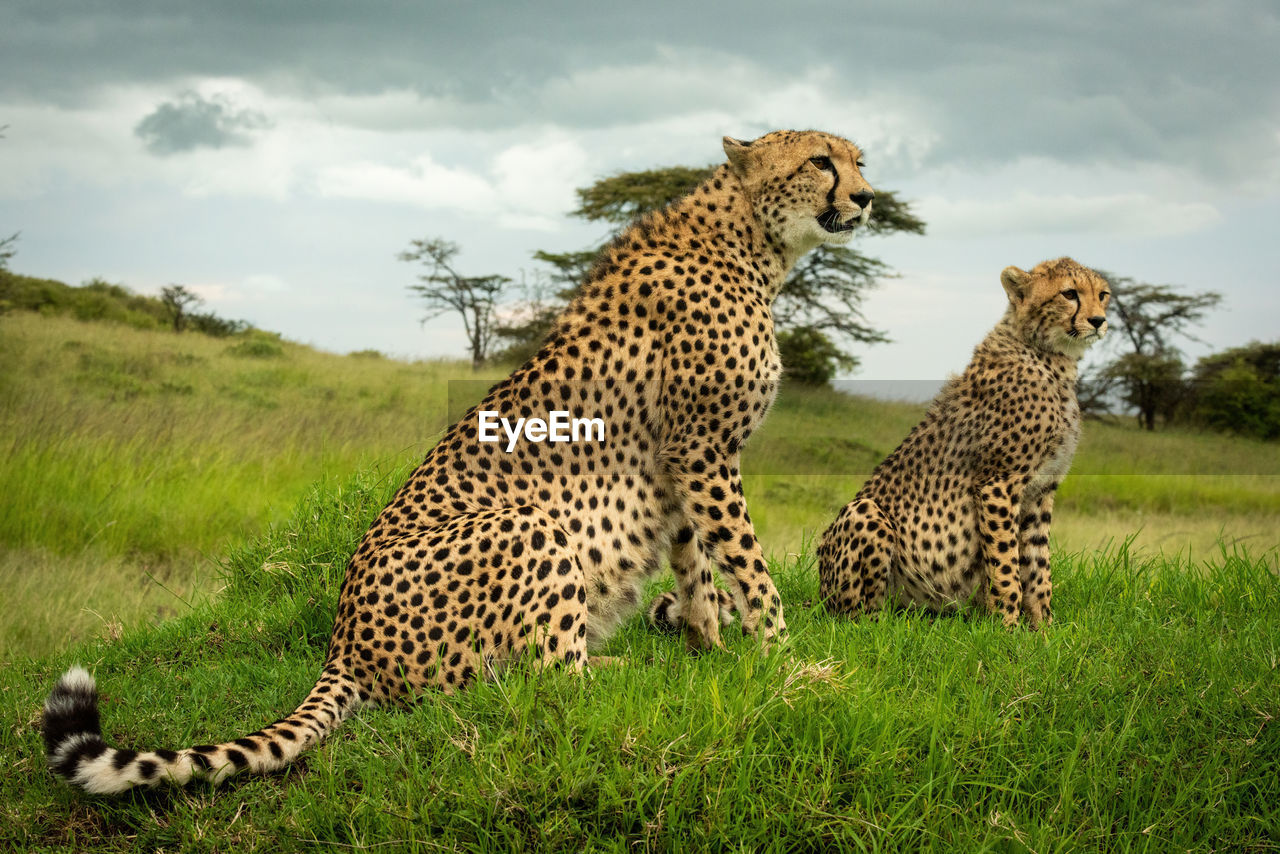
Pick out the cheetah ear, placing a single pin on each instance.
(1015, 283)
(737, 151)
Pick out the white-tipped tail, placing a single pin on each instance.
(77, 753)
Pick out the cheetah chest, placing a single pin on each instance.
(1058, 462)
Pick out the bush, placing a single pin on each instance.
(810, 357)
(217, 327)
(257, 344)
(1238, 390)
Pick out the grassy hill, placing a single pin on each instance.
(102, 301)
(133, 458)
(222, 483)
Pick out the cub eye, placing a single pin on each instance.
(823, 163)
(1104, 296)
(861, 165)
(1070, 294)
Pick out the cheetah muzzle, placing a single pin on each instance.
(832, 220)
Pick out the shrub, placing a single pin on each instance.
(810, 357)
(1238, 390)
(210, 324)
(257, 344)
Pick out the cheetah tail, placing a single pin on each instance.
(77, 753)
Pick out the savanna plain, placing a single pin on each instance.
(178, 510)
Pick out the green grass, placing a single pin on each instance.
(1143, 719)
(132, 458)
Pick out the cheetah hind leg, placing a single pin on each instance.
(854, 559)
(463, 600)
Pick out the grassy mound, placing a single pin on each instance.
(1142, 719)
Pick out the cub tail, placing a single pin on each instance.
(77, 753)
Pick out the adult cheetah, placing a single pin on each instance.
(495, 550)
(963, 506)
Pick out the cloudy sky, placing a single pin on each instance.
(275, 157)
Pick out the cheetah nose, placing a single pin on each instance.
(862, 199)
(1096, 322)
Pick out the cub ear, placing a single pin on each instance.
(1015, 283)
(738, 153)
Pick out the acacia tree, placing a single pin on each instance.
(443, 289)
(819, 310)
(177, 302)
(8, 245)
(8, 248)
(1147, 371)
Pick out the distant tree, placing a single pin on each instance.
(824, 294)
(1238, 390)
(443, 289)
(1151, 383)
(568, 269)
(8, 249)
(621, 198)
(524, 325)
(8, 245)
(822, 297)
(810, 357)
(210, 324)
(1147, 370)
(545, 295)
(616, 201)
(177, 302)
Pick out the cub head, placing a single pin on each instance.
(1059, 306)
(806, 186)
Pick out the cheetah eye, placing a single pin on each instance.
(860, 165)
(823, 163)
(1070, 294)
(1104, 296)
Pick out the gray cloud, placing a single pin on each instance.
(193, 122)
(1183, 82)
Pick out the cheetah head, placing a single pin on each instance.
(806, 186)
(1060, 305)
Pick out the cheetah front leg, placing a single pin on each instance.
(1033, 560)
(997, 513)
(696, 605)
(717, 512)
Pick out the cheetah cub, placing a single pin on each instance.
(962, 508)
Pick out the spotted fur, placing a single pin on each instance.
(962, 508)
(486, 556)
